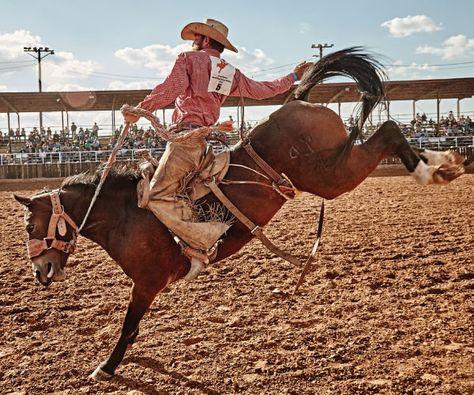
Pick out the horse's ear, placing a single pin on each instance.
(23, 200)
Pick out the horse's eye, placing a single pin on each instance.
(29, 228)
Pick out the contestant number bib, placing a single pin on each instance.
(222, 75)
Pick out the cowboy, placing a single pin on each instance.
(199, 83)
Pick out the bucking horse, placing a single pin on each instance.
(305, 142)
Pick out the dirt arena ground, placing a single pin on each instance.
(387, 310)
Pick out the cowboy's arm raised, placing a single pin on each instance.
(262, 90)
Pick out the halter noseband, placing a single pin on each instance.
(57, 221)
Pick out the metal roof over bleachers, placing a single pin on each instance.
(21, 102)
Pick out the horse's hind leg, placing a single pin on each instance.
(427, 167)
(140, 301)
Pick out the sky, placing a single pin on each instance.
(104, 44)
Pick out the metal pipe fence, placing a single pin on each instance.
(26, 158)
(442, 143)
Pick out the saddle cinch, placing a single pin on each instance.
(212, 166)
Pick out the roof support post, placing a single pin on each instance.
(8, 133)
(458, 107)
(113, 117)
(113, 123)
(438, 101)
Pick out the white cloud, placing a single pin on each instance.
(64, 70)
(412, 71)
(122, 85)
(453, 47)
(249, 61)
(403, 27)
(11, 44)
(3, 88)
(304, 27)
(68, 86)
(59, 71)
(157, 57)
(160, 58)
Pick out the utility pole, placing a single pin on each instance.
(321, 46)
(38, 56)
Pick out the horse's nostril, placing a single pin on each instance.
(37, 274)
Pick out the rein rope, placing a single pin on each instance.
(165, 134)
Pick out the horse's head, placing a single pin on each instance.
(51, 235)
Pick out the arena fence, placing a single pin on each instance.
(64, 164)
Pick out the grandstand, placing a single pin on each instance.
(60, 145)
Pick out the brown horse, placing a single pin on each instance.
(306, 142)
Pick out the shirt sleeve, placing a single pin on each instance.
(260, 89)
(166, 92)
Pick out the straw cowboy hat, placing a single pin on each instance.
(211, 28)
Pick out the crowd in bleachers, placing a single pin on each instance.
(137, 138)
(87, 139)
(448, 126)
(79, 139)
(46, 140)
(421, 126)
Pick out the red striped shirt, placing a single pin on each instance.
(187, 86)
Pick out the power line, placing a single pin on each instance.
(122, 75)
(16, 61)
(15, 67)
(430, 65)
(109, 76)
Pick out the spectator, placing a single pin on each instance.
(451, 119)
(95, 129)
(468, 125)
(73, 129)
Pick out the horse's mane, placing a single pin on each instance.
(119, 176)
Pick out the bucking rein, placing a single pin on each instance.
(279, 182)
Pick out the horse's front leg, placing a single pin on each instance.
(140, 300)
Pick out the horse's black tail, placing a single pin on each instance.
(352, 62)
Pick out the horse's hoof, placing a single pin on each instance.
(99, 375)
(194, 270)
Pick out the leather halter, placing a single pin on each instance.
(57, 222)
